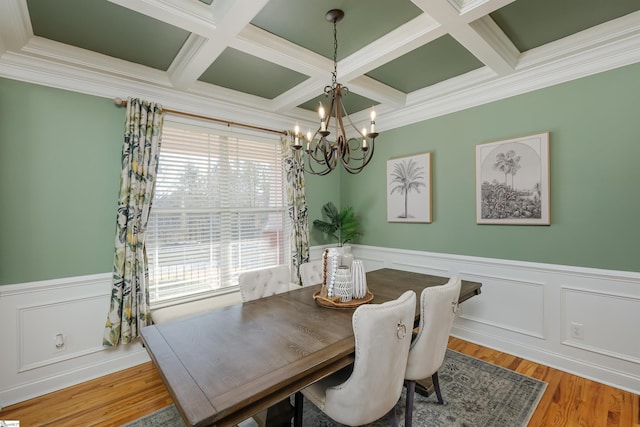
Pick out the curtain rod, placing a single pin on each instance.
(122, 102)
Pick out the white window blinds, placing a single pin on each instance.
(219, 209)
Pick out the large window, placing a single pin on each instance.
(219, 209)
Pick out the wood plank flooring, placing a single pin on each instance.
(130, 394)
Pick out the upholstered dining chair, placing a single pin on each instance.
(370, 388)
(438, 305)
(311, 273)
(258, 284)
(264, 282)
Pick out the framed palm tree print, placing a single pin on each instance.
(409, 189)
(512, 181)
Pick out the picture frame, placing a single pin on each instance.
(409, 189)
(513, 182)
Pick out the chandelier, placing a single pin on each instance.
(352, 153)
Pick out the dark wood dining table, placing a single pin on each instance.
(225, 365)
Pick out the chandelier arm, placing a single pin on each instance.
(353, 151)
(348, 162)
(311, 170)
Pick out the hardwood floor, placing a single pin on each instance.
(130, 394)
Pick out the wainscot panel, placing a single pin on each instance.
(527, 309)
(605, 323)
(53, 335)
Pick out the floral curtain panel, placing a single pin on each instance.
(129, 310)
(294, 172)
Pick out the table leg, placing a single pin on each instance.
(280, 414)
(424, 387)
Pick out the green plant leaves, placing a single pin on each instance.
(342, 225)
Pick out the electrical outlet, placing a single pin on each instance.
(577, 330)
(59, 342)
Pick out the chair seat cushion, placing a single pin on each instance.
(316, 392)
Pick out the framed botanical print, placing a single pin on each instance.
(409, 189)
(512, 181)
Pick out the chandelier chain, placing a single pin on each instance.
(334, 75)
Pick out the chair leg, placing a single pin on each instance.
(436, 386)
(392, 415)
(298, 402)
(408, 412)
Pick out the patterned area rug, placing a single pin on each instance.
(476, 393)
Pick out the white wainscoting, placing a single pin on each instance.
(527, 309)
(32, 314)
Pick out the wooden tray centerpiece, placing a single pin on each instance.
(334, 302)
(323, 298)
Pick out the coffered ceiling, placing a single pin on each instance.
(267, 61)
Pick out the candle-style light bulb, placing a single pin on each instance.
(364, 139)
(373, 120)
(323, 121)
(296, 136)
(308, 140)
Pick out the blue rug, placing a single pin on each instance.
(476, 394)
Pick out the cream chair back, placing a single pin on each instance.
(438, 305)
(258, 284)
(264, 282)
(311, 273)
(382, 338)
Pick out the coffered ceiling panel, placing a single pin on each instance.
(304, 22)
(268, 61)
(530, 24)
(431, 63)
(109, 29)
(245, 73)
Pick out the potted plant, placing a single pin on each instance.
(342, 225)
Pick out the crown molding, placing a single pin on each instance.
(602, 48)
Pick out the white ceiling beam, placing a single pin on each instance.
(485, 41)
(192, 16)
(409, 36)
(199, 53)
(491, 45)
(373, 89)
(265, 45)
(298, 94)
(15, 25)
(475, 9)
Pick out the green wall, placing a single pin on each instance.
(594, 126)
(320, 190)
(59, 177)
